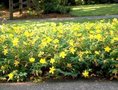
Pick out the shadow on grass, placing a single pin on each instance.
(95, 10)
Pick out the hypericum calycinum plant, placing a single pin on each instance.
(38, 50)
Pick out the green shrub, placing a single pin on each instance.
(63, 2)
(50, 6)
(51, 50)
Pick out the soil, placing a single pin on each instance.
(4, 13)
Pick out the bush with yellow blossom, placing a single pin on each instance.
(47, 49)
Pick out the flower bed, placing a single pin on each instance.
(52, 50)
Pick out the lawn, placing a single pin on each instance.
(33, 21)
(94, 10)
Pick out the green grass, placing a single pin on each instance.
(94, 10)
(57, 21)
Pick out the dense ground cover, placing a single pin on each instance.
(52, 50)
(94, 10)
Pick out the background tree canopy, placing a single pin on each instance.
(68, 2)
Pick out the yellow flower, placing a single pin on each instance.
(40, 54)
(48, 39)
(98, 27)
(62, 55)
(105, 61)
(98, 36)
(80, 54)
(80, 34)
(11, 76)
(85, 74)
(45, 42)
(15, 41)
(92, 32)
(52, 61)
(88, 26)
(42, 61)
(96, 52)
(52, 70)
(60, 31)
(72, 50)
(11, 35)
(25, 43)
(33, 41)
(2, 67)
(107, 49)
(87, 52)
(2, 38)
(56, 41)
(31, 60)
(16, 63)
(117, 59)
(5, 51)
(115, 38)
(17, 30)
(111, 32)
(69, 65)
(91, 36)
(28, 34)
(98, 31)
(115, 20)
(71, 43)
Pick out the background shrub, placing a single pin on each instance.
(55, 6)
(62, 2)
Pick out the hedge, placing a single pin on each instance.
(52, 50)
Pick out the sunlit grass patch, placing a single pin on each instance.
(95, 10)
